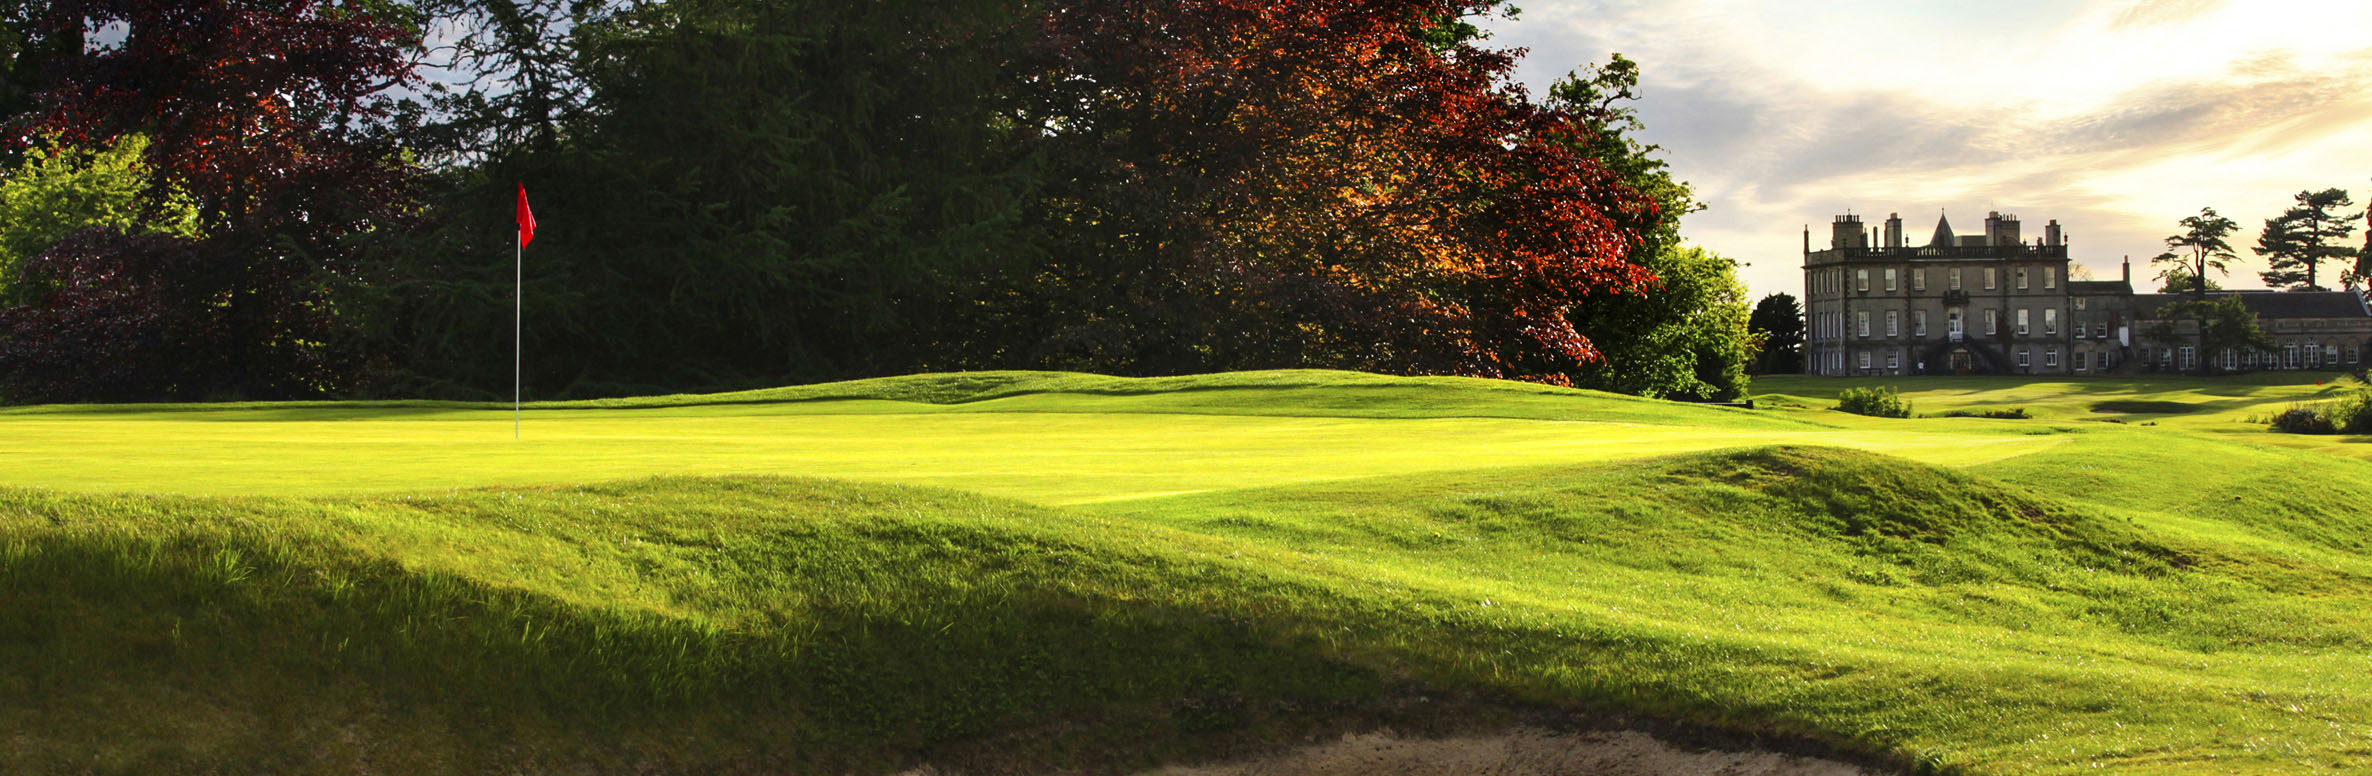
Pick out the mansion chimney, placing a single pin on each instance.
(1847, 233)
(2001, 229)
(2051, 232)
(1894, 230)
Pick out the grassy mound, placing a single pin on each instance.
(1910, 613)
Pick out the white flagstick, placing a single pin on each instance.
(518, 315)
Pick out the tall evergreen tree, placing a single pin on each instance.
(2296, 243)
(2200, 247)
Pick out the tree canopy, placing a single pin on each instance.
(2200, 247)
(263, 116)
(2296, 243)
(1323, 183)
(1124, 186)
(1778, 320)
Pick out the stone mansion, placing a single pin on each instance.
(1994, 303)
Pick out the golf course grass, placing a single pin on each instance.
(1072, 572)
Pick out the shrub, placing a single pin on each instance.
(2351, 413)
(1880, 402)
(2013, 413)
(2302, 420)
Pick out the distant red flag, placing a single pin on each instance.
(526, 219)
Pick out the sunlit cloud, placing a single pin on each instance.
(2116, 118)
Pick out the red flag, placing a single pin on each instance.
(526, 219)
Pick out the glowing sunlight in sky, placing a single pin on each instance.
(2114, 117)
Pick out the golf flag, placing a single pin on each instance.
(519, 308)
(526, 219)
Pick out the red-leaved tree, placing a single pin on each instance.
(266, 114)
(1343, 183)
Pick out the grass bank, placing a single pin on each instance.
(1964, 595)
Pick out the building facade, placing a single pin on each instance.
(1995, 303)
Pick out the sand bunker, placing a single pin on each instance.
(1521, 752)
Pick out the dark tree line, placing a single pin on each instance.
(736, 193)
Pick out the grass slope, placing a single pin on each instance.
(2098, 599)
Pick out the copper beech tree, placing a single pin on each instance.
(1343, 183)
(263, 115)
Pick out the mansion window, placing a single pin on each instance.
(1893, 324)
(1955, 279)
(2050, 320)
(2051, 357)
(1992, 278)
(2077, 359)
(2314, 356)
(1992, 321)
(2023, 360)
(1894, 360)
(1919, 328)
(2021, 278)
(1890, 282)
(2021, 321)
(1861, 280)
(1865, 359)
(2352, 353)
(2050, 277)
(1861, 323)
(2190, 358)
(2330, 354)
(1919, 279)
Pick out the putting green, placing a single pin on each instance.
(1051, 457)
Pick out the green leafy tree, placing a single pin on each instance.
(2180, 281)
(48, 196)
(2222, 323)
(2296, 243)
(1687, 338)
(1778, 320)
(1697, 305)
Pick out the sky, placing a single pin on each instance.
(2115, 117)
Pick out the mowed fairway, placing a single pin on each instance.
(1047, 573)
(1091, 439)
